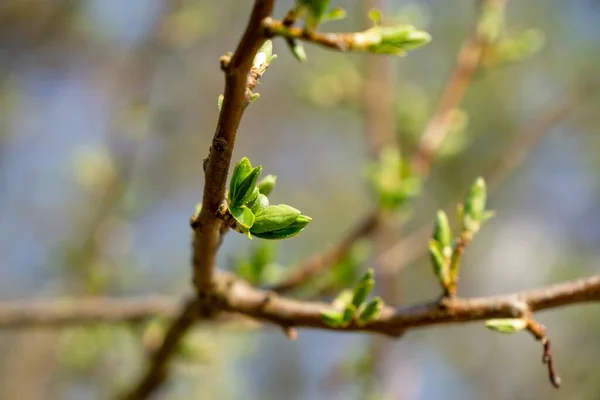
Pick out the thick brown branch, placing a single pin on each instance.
(56, 313)
(207, 233)
(241, 297)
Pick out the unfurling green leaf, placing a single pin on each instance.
(361, 292)
(506, 325)
(292, 230)
(246, 190)
(332, 318)
(441, 232)
(371, 311)
(254, 97)
(274, 217)
(395, 40)
(267, 184)
(264, 54)
(240, 172)
(243, 216)
(363, 288)
(259, 203)
(473, 209)
(220, 101)
(440, 262)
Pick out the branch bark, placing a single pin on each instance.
(243, 298)
(207, 232)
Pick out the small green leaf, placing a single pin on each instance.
(254, 97)
(362, 291)
(267, 184)
(474, 205)
(274, 217)
(348, 315)
(371, 311)
(264, 54)
(243, 216)
(332, 318)
(442, 233)
(240, 172)
(367, 276)
(441, 263)
(292, 230)
(246, 189)
(220, 101)
(506, 325)
(259, 203)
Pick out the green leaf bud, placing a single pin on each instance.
(506, 325)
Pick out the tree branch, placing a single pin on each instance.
(61, 312)
(240, 297)
(207, 231)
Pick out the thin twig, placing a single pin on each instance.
(539, 332)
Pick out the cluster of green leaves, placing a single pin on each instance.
(392, 180)
(352, 305)
(248, 205)
(444, 250)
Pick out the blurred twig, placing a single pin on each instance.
(524, 140)
(321, 261)
(465, 68)
(90, 310)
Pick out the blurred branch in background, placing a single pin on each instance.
(523, 141)
(486, 29)
(82, 311)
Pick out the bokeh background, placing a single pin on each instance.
(107, 109)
